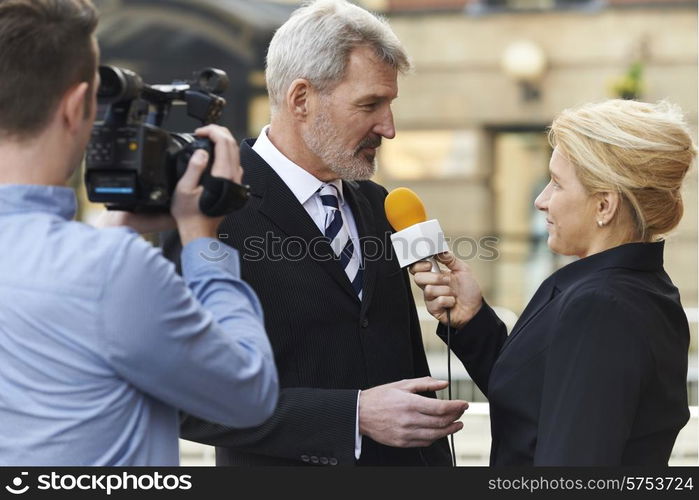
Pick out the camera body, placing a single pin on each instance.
(133, 164)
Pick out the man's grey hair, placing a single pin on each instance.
(316, 41)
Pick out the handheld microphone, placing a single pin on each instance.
(416, 238)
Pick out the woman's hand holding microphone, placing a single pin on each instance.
(455, 289)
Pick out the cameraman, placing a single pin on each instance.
(101, 341)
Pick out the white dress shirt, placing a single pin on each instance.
(305, 186)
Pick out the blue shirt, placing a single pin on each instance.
(101, 342)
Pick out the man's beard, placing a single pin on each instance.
(323, 140)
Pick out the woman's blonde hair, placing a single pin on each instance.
(637, 149)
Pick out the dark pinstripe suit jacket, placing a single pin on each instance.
(327, 344)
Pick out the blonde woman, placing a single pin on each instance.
(594, 372)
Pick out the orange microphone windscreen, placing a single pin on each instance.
(404, 208)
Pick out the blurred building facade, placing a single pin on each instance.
(471, 122)
(490, 75)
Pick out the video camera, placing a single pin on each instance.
(133, 164)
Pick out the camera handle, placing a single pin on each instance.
(221, 196)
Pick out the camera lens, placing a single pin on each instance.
(118, 84)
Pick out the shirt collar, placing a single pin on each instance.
(23, 198)
(636, 256)
(338, 184)
(301, 183)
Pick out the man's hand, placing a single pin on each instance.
(394, 415)
(191, 223)
(455, 289)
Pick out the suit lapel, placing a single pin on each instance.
(542, 297)
(281, 207)
(366, 227)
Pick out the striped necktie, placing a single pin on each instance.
(337, 233)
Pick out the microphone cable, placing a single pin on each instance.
(435, 268)
(451, 436)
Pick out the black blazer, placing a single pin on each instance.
(595, 370)
(327, 344)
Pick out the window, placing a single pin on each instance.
(429, 154)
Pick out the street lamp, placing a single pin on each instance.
(525, 62)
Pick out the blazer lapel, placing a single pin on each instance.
(281, 207)
(366, 227)
(542, 297)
